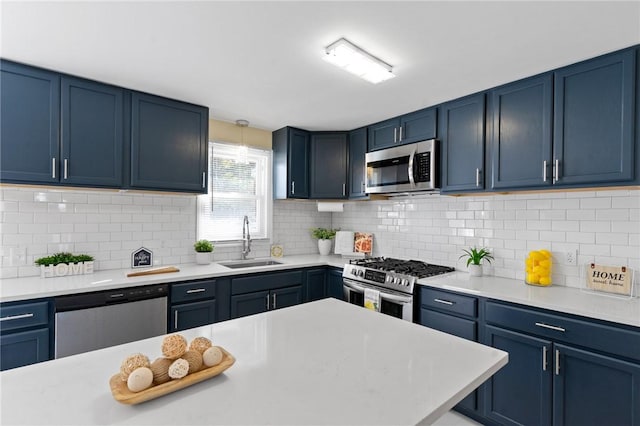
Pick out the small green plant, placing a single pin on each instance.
(475, 256)
(203, 246)
(323, 233)
(63, 257)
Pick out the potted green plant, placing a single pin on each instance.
(64, 263)
(474, 260)
(203, 250)
(324, 237)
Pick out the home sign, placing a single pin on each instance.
(142, 258)
(610, 279)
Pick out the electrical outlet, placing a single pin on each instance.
(571, 257)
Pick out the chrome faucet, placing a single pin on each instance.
(246, 238)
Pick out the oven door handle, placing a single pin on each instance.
(386, 296)
(412, 157)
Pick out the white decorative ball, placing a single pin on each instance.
(139, 379)
(212, 356)
(179, 368)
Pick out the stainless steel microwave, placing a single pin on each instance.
(405, 168)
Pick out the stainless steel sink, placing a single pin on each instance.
(236, 264)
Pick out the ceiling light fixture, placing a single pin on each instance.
(350, 57)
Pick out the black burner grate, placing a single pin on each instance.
(414, 268)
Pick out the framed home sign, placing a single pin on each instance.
(614, 280)
(142, 258)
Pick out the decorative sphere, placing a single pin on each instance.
(194, 358)
(131, 363)
(140, 379)
(200, 344)
(160, 370)
(212, 356)
(174, 346)
(178, 368)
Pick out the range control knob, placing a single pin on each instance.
(405, 282)
(360, 273)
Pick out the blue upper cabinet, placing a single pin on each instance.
(462, 136)
(169, 144)
(594, 105)
(413, 127)
(357, 166)
(92, 128)
(521, 115)
(329, 165)
(290, 163)
(30, 104)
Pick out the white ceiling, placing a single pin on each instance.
(262, 61)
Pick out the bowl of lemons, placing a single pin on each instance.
(538, 268)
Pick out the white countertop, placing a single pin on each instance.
(325, 362)
(35, 287)
(558, 298)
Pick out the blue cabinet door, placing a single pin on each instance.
(593, 389)
(383, 134)
(24, 348)
(593, 120)
(298, 164)
(169, 144)
(520, 393)
(462, 135)
(329, 165)
(30, 105)
(92, 133)
(521, 134)
(283, 297)
(334, 284)
(191, 315)
(316, 284)
(357, 165)
(418, 126)
(250, 303)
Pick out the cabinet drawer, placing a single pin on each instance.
(449, 302)
(615, 340)
(265, 282)
(460, 327)
(198, 290)
(23, 315)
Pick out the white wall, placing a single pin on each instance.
(604, 226)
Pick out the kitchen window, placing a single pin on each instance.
(239, 185)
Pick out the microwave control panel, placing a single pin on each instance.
(422, 167)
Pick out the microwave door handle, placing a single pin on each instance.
(410, 168)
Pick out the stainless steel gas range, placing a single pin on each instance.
(391, 281)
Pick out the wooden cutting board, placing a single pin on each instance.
(162, 270)
(121, 392)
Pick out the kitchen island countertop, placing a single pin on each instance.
(325, 362)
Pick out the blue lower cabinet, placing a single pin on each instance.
(283, 297)
(250, 303)
(594, 389)
(24, 348)
(191, 315)
(316, 284)
(334, 284)
(520, 393)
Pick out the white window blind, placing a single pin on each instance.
(239, 185)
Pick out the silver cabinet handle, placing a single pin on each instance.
(204, 179)
(66, 168)
(477, 177)
(113, 296)
(196, 290)
(557, 362)
(175, 320)
(273, 303)
(444, 302)
(344, 189)
(550, 327)
(293, 187)
(556, 172)
(53, 167)
(16, 317)
(395, 134)
(544, 171)
(544, 358)
(400, 133)
(267, 302)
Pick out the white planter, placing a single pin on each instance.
(64, 269)
(475, 270)
(324, 247)
(203, 258)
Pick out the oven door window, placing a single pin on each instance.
(388, 172)
(391, 308)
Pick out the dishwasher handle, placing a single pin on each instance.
(109, 297)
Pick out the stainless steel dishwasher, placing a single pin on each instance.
(90, 321)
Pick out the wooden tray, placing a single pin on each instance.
(163, 270)
(122, 394)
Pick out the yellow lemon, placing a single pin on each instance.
(536, 255)
(528, 262)
(545, 280)
(533, 278)
(545, 253)
(545, 263)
